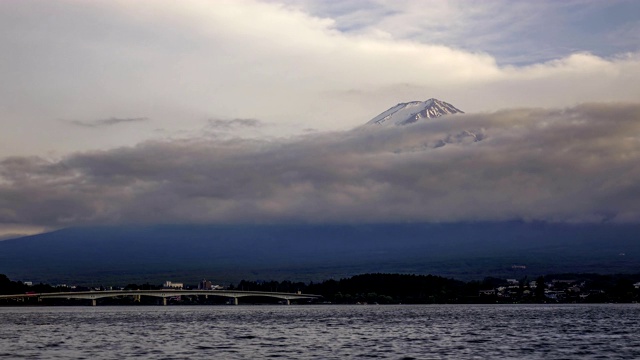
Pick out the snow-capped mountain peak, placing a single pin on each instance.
(407, 113)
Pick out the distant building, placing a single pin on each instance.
(574, 289)
(512, 282)
(204, 285)
(28, 283)
(172, 285)
(555, 295)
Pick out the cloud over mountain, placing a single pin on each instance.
(573, 164)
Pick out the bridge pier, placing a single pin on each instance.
(94, 302)
(164, 301)
(288, 301)
(235, 301)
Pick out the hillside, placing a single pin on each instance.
(187, 253)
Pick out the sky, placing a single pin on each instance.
(217, 111)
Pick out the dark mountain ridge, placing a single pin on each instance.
(228, 253)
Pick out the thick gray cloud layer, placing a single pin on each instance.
(575, 164)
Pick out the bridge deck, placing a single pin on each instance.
(165, 293)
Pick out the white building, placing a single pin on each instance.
(172, 285)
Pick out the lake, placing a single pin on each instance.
(608, 331)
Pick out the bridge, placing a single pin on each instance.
(234, 295)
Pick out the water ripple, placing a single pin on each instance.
(328, 332)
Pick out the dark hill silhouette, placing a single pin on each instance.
(229, 253)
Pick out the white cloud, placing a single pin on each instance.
(515, 32)
(181, 64)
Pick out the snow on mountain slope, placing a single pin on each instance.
(407, 113)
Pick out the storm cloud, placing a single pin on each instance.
(578, 164)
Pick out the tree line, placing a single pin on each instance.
(426, 289)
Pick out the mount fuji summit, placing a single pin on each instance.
(407, 113)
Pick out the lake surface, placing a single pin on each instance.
(322, 332)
